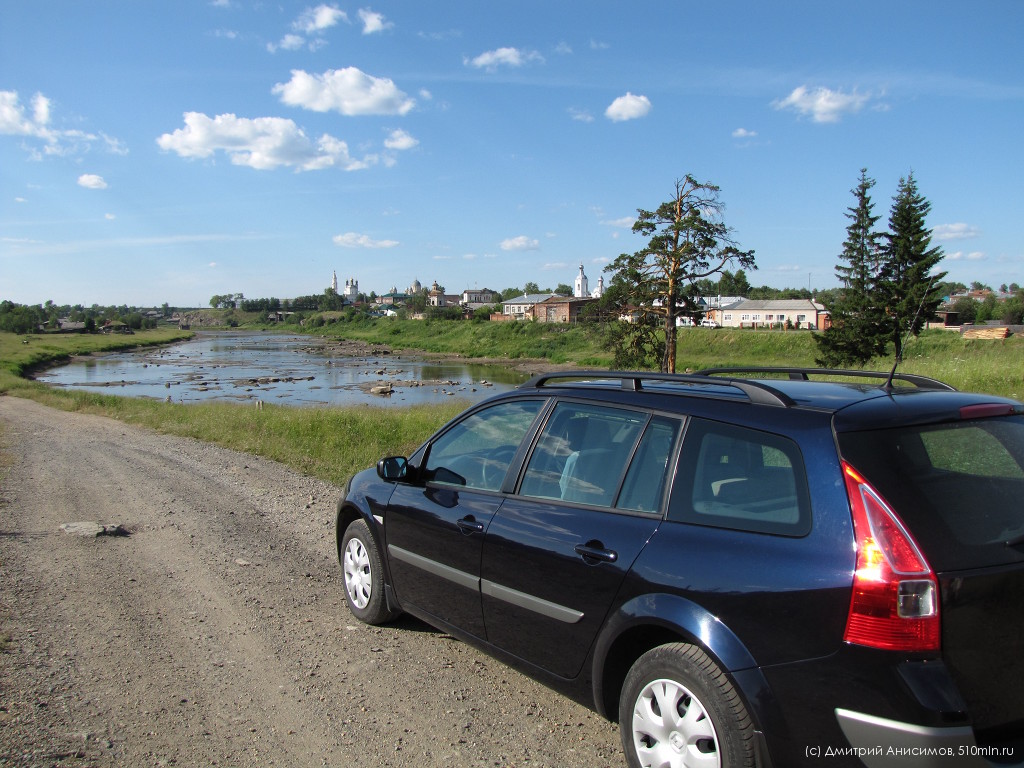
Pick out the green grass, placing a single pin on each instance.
(21, 354)
(328, 443)
(555, 343)
(974, 365)
(333, 443)
(979, 365)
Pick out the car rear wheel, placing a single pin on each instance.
(678, 709)
(363, 569)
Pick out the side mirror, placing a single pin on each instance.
(392, 468)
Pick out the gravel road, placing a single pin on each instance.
(215, 633)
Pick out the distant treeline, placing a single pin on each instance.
(22, 318)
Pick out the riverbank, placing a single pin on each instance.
(332, 443)
(23, 355)
(285, 368)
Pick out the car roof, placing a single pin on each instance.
(858, 399)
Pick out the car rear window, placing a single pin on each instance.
(957, 486)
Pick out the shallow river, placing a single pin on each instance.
(272, 368)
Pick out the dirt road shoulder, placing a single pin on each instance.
(215, 631)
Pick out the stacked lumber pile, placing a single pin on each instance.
(987, 333)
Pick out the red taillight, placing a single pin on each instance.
(985, 410)
(895, 603)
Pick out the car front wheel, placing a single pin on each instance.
(678, 709)
(364, 581)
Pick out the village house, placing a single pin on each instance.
(478, 296)
(772, 313)
(393, 298)
(520, 307)
(559, 309)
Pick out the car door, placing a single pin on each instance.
(555, 554)
(435, 523)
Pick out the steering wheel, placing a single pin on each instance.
(495, 466)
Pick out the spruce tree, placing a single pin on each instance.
(857, 333)
(910, 291)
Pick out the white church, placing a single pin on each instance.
(580, 286)
(351, 292)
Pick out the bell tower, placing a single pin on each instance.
(580, 288)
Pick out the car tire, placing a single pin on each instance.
(363, 571)
(707, 723)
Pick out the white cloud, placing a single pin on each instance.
(91, 181)
(508, 57)
(960, 256)
(626, 222)
(263, 143)
(822, 104)
(743, 133)
(348, 91)
(114, 146)
(400, 140)
(581, 115)
(15, 120)
(520, 243)
(288, 43)
(628, 107)
(373, 22)
(307, 29)
(356, 240)
(318, 19)
(958, 231)
(109, 216)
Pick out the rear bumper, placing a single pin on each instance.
(879, 743)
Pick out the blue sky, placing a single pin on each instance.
(157, 152)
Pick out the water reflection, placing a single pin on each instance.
(272, 368)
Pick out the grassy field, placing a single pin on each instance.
(328, 443)
(509, 340)
(332, 443)
(20, 352)
(993, 366)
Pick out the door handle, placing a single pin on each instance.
(469, 525)
(594, 551)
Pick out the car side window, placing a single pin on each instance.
(649, 471)
(583, 454)
(745, 479)
(476, 452)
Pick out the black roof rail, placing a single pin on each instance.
(804, 374)
(758, 392)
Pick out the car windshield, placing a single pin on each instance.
(957, 486)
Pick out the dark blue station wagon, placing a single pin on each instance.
(768, 567)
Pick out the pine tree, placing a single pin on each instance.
(858, 332)
(688, 243)
(909, 290)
